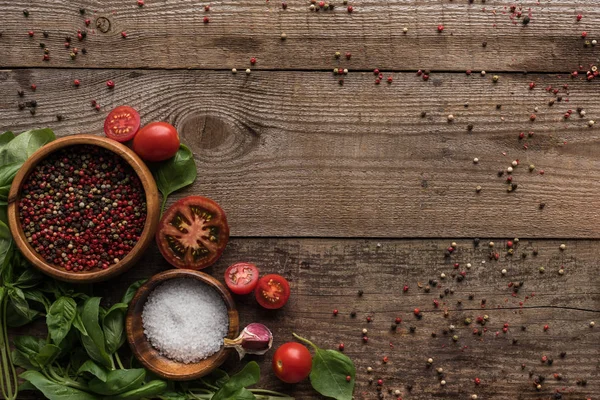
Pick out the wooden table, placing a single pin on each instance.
(345, 185)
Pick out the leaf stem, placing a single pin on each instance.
(300, 338)
(269, 392)
(164, 203)
(119, 360)
(10, 384)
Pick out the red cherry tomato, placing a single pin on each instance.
(157, 141)
(272, 291)
(193, 233)
(122, 124)
(292, 362)
(241, 278)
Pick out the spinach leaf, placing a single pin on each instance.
(47, 355)
(131, 291)
(6, 137)
(53, 390)
(60, 318)
(28, 279)
(93, 341)
(148, 390)
(29, 345)
(175, 173)
(24, 145)
(113, 324)
(233, 388)
(118, 381)
(94, 369)
(329, 371)
(21, 359)
(6, 251)
(7, 174)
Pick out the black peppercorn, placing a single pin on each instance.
(353, 314)
(563, 354)
(393, 327)
(360, 292)
(476, 242)
(21, 93)
(412, 329)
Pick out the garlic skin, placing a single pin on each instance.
(254, 339)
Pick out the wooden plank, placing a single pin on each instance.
(296, 154)
(325, 274)
(171, 34)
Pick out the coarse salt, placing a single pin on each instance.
(185, 320)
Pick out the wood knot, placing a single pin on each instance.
(216, 136)
(103, 24)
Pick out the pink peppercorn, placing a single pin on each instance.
(87, 22)
(350, 9)
(348, 55)
(477, 381)
(398, 320)
(416, 311)
(207, 8)
(97, 107)
(379, 382)
(46, 57)
(584, 34)
(521, 135)
(546, 327)
(321, 4)
(140, 3)
(348, 378)
(425, 77)
(509, 243)
(67, 45)
(469, 72)
(405, 288)
(206, 20)
(284, 5)
(532, 117)
(335, 312)
(440, 28)
(390, 79)
(365, 339)
(377, 81)
(376, 71)
(341, 347)
(79, 35)
(253, 60)
(30, 33)
(579, 16)
(419, 73)
(33, 87)
(76, 82)
(124, 34)
(385, 359)
(369, 319)
(531, 85)
(110, 84)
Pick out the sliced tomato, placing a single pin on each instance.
(122, 124)
(241, 278)
(272, 291)
(193, 233)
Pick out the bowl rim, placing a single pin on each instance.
(152, 208)
(135, 330)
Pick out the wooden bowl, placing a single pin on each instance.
(149, 356)
(152, 210)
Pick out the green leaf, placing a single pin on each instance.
(131, 291)
(29, 345)
(248, 376)
(148, 390)
(60, 318)
(93, 342)
(6, 137)
(53, 390)
(78, 324)
(20, 304)
(28, 279)
(24, 145)
(113, 324)
(329, 371)
(20, 359)
(37, 296)
(175, 173)
(118, 381)
(170, 395)
(94, 369)
(47, 355)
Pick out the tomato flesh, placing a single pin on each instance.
(272, 291)
(193, 233)
(122, 124)
(157, 141)
(292, 362)
(241, 278)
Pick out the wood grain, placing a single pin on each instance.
(296, 154)
(326, 274)
(171, 34)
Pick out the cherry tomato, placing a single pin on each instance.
(241, 278)
(193, 233)
(122, 123)
(272, 291)
(292, 362)
(156, 141)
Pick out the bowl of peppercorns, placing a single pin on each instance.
(83, 208)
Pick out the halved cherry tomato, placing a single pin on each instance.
(241, 278)
(157, 141)
(292, 362)
(122, 124)
(272, 291)
(193, 233)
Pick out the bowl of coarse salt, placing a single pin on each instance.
(177, 321)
